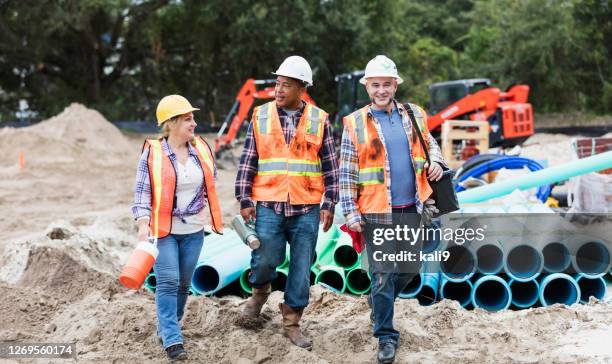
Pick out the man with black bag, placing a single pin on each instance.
(387, 170)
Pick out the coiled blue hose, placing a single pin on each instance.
(508, 163)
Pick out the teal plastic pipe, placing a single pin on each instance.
(535, 179)
(458, 291)
(429, 290)
(491, 293)
(217, 271)
(150, 282)
(414, 287)
(524, 294)
(559, 288)
(595, 287)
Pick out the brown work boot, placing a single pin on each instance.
(291, 325)
(252, 308)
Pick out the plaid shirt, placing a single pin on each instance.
(142, 196)
(249, 162)
(349, 170)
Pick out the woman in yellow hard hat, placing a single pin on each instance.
(175, 180)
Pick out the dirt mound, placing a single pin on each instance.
(50, 269)
(76, 135)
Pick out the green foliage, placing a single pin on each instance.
(122, 56)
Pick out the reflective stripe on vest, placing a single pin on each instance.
(293, 167)
(371, 176)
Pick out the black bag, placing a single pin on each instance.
(443, 189)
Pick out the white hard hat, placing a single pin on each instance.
(381, 66)
(295, 67)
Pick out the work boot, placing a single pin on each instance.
(252, 308)
(386, 352)
(291, 325)
(176, 352)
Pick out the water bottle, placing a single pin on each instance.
(246, 232)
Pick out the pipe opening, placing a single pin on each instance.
(560, 290)
(458, 291)
(461, 262)
(357, 281)
(205, 279)
(524, 294)
(332, 279)
(492, 295)
(490, 259)
(427, 296)
(524, 262)
(592, 258)
(595, 287)
(345, 256)
(413, 287)
(279, 283)
(557, 257)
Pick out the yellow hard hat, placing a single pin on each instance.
(171, 106)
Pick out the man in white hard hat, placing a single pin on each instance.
(289, 168)
(384, 179)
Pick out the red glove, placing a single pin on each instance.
(358, 238)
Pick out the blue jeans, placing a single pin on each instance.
(274, 232)
(178, 255)
(388, 283)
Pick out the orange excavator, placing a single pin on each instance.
(509, 114)
(239, 113)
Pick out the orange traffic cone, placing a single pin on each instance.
(139, 265)
(21, 161)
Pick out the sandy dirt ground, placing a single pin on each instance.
(66, 229)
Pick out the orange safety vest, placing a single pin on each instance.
(373, 179)
(163, 184)
(292, 170)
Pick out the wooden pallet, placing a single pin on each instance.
(457, 133)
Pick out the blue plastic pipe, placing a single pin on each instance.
(429, 289)
(215, 272)
(523, 262)
(559, 288)
(524, 294)
(491, 293)
(461, 264)
(591, 287)
(508, 163)
(557, 257)
(458, 291)
(538, 178)
(591, 258)
(413, 288)
(490, 257)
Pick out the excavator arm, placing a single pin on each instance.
(239, 112)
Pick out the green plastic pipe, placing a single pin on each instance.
(150, 282)
(358, 281)
(330, 275)
(282, 272)
(545, 176)
(345, 255)
(244, 280)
